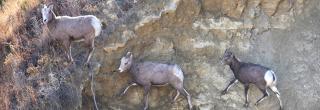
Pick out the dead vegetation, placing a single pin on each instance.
(31, 74)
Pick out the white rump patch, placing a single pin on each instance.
(178, 72)
(268, 77)
(96, 25)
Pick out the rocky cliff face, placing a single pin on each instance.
(280, 34)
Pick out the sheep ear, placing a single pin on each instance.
(227, 50)
(129, 54)
(51, 6)
(42, 6)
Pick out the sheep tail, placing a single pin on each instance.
(274, 78)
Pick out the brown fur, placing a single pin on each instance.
(249, 73)
(147, 74)
(71, 29)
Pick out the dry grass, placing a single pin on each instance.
(32, 72)
(12, 15)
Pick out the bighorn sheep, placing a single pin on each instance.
(72, 29)
(147, 74)
(249, 73)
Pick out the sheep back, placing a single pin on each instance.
(75, 27)
(157, 73)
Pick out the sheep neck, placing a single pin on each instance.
(132, 68)
(235, 65)
(52, 23)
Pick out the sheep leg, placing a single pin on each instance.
(265, 94)
(275, 90)
(90, 54)
(232, 82)
(187, 95)
(125, 90)
(184, 92)
(71, 59)
(189, 99)
(175, 98)
(146, 95)
(91, 49)
(246, 88)
(67, 47)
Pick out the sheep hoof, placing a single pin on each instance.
(246, 105)
(65, 63)
(173, 101)
(120, 94)
(190, 108)
(86, 63)
(145, 108)
(223, 92)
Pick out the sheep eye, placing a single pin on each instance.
(126, 63)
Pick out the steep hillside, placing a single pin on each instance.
(280, 34)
